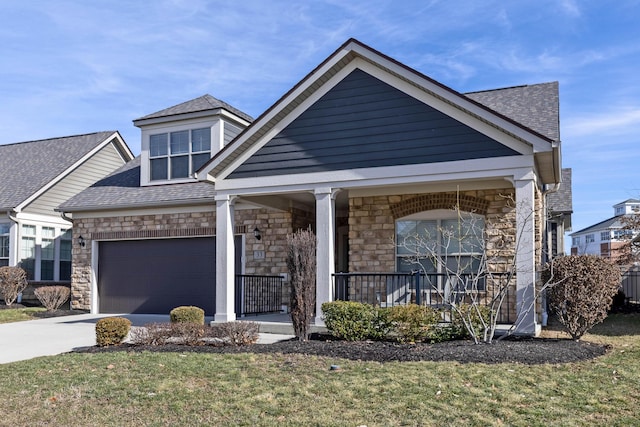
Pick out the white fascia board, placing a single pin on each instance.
(67, 171)
(515, 167)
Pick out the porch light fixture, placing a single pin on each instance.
(81, 241)
(256, 233)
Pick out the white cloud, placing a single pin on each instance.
(612, 122)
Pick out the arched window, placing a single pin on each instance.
(440, 240)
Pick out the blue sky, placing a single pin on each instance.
(72, 67)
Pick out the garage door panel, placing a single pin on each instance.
(154, 276)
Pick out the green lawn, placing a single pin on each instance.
(191, 389)
(18, 314)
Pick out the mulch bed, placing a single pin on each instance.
(529, 351)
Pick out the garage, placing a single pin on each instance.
(155, 276)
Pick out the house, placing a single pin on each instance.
(35, 177)
(359, 150)
(559, 211)
(606, 237)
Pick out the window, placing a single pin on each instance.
(605, 236)
(619, 210)
(622, 234)
(28, 250)
(178, 154)
(47, 253)
(440, 244)
(589, 238)
(65, 255)
(575, 241)
(4, 244)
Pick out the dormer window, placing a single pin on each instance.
(178, 154)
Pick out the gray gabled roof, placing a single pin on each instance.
(122, 190)
(562, 200)
(535, 106)
(613, 222)
(26, 167)
(203, 103)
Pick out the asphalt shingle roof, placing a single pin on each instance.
(562, 200)
(203, 103)
(26, 167)
(122, 189)
(535, 106)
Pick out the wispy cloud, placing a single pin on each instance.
(618, 121)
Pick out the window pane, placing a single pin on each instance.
(158, 145)
(180, 142)
(46, 270)
(200, 140)
(180, 167)
(462, 235)
(4, 228)
(197, 160)
(4, 246)
(406, 237)
(28, 230)
(28, 254)
(48, 249)
(4, 262)
(65, 250)
(159, 169)
(65, 270)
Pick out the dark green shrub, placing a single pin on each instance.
(476, 316)
(112, 330)
(187, 314)
(581, 291)
(412, 322)
(354, 321)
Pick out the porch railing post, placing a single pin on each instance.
(418, 291)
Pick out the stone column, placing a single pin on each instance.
(325, 250)
(526, 322)
(225, 260)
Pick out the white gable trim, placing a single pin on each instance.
(114, 137)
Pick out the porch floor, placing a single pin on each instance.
(277, 323)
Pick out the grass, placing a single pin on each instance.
(19, 314)
(152, 389)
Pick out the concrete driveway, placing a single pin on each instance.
(47, 337)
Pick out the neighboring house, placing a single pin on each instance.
(606, 237)
(35, 177)
(360, 150)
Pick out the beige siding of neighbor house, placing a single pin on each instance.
(98, 166)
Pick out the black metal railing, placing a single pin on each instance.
(438, 290)
(630, 285)
(258, 294)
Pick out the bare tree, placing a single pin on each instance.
(301, 261)
(470, 264)
(629, 251)
(13, 280)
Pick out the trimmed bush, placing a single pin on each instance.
(187, 314)
(582, 291)
(236, 333)
(152, 334)
(412, 322)
(301, 262)
(477, 318)
(52, 297)
(112, 331)
(13, 280)
(354, 321)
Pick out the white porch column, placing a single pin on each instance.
(526, 322)
(325, 249)
(225, 260)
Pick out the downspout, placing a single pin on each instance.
(554, 188)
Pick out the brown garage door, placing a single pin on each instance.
(154, 276)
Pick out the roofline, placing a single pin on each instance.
(172, 203)
(447, 91)
(115, 135)
(191, 115)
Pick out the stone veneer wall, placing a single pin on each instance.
(274, 227)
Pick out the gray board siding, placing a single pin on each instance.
(98, 166)
(363, 122)
(230, 132)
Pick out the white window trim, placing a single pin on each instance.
(58, 232)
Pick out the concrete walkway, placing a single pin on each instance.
(57, 335)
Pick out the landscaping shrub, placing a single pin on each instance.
(476, 316)
(112, 331)
(412, 322)
(188, 314)
(582, 291)
(52, 297)
(236, 333)
(355, 321)
(301, 262)
(152, 334)
(13, 280)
